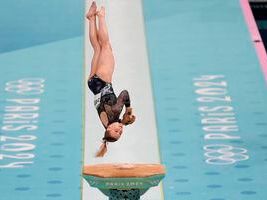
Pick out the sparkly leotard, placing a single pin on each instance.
(106, 100)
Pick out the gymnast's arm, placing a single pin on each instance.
(124, 99)
(104, 119)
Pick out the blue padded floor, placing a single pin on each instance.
(210, 98)
(209, 95)
(40, 100)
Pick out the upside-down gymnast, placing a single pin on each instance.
(108, 105)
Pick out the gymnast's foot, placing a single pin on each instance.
(101, 12)
(92, 11)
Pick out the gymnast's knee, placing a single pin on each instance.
(97, 48)
(106, 45)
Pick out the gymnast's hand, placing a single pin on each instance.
(128, 117)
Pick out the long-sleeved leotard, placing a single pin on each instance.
(106, 100)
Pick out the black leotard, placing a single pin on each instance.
(106, 100)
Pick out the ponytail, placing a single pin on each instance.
(102, 150)
(104, 146)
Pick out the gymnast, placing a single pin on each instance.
(107, 104)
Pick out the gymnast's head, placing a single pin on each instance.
(113, 132)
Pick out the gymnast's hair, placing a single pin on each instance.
(104, 148)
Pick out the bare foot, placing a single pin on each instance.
(101, 12)
(92, 11)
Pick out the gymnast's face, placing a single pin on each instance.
(115, 130)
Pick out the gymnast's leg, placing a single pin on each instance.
(93, 35)
(106, 62)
